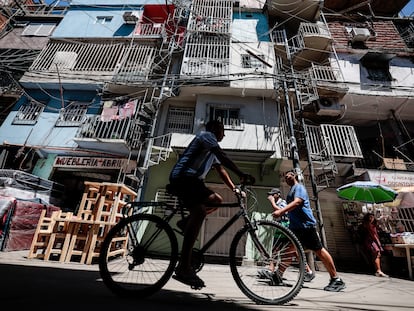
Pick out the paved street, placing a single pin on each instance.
(41, 285)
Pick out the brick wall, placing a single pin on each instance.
(387, 37)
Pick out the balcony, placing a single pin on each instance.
(207, 57)
(118, 136)
(329, 80)
(312, 44)
(88, 65)
(339, 141)
(211, 16)
(294, 11)
(150, 31)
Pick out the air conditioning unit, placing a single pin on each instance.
(328, 107)
(131, 17)
(359, 34)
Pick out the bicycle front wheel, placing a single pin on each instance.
(267, 263)
(138, 256)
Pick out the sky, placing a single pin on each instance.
(408, 10)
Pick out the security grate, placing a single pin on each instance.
(72, 115)
(28, 114)
(180, 120)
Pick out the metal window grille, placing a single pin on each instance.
(72, 115)
(250, 62)
(103, 19)
(28, 114)
(38, 30)
(229, 116)
(180, 120)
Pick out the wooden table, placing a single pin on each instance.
(408, 248)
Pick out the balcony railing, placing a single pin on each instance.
(126, 129)
(151, 30)
(214, 16)
(92, 62)
(339, 141)
(325, 73)
(311, 35)
(207, 57)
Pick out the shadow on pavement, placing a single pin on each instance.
(46, 288)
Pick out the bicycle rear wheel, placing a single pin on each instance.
(138, 256)
(267, 244)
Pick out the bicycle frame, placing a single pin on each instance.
(156, 252)
(180, 210)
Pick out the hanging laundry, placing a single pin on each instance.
(127, 110)
(109, 111)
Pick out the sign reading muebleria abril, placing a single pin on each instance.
(89, 162)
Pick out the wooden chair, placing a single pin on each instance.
(60, 237)
(108, 212)
(79, 240)
(41, 237)
(98, 212)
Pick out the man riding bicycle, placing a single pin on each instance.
(187, 182)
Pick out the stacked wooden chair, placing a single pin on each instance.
(77, 237)
(99, 209)
(51, 237)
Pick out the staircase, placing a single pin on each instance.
(152, 150)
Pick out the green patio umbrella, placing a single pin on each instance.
(367, 192)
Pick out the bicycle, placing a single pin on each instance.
(139, 254)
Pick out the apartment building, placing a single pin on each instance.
(350, 63)
(120, 89)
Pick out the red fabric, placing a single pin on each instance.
(24, 222)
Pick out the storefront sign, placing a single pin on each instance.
(393, 179)
(89, 162)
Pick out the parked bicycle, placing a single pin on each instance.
(139, 254)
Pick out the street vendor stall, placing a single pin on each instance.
(393, 210)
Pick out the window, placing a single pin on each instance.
(72, 115)
(28, 114)
(103, 19)
(180, 120)
(249, 61)
(378, 73)
(38, 30)
(229, 116)
(377, 66)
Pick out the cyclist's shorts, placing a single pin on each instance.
(309, 238)
(191, 190)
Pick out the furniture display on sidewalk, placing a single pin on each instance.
(77, 237)
(410, 263)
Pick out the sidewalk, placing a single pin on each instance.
(52, 285)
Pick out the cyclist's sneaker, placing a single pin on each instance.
(271, 278)
(309, 276)
(335, 285)
(264, 274)
(191, 279)
(276, 279)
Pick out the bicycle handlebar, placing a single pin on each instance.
(247, 180)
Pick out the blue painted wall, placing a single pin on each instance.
(80, 20)
(262, 28)
(44, 132)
